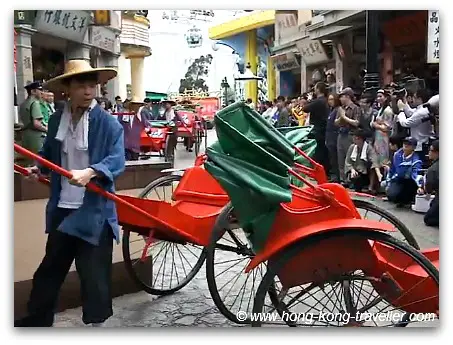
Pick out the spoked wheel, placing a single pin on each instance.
(372, 212)
(395, 292)
(160, 267)
(227, 256)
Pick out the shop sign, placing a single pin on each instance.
(286, 62)
(71, 25)
(433, 37)
(103, 38)
(24, 17)
(286, 28)
(312, 51)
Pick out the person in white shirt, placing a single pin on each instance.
(418, 120)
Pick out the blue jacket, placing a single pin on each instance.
(405, 168)
(106, 151)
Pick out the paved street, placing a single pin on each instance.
(193, 305)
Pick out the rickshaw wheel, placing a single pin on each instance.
(348, 303)
(366, 209)
(403, 233)
(227, 237)
(168, 258)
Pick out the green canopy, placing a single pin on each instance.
(251, 161)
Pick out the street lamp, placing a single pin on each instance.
(225, 86)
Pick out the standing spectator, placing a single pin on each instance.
(319, 112)
(118, 107)
(367, 116)
(50, 102)
(360, 161)
(418, 120)
(403, 178)
(45, 110)
(432, 186)
(332, 137)
(347, 120)
(382, 126)
(281, 117)
(34, 131)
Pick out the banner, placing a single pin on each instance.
(432, 53)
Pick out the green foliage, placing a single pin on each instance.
(194, 78)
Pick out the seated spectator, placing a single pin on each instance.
(403, 178)
(360, 160)
(432, 186)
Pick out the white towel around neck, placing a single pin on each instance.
(355, 152)
(81, 132)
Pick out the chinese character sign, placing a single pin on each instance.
(433, 37)
(71, 25)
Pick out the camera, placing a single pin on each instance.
(400, 93)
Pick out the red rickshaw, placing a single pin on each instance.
(311, 240)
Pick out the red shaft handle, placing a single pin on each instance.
(94, 188)
(25, 172)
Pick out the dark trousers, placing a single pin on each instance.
(432, 216)
(359, 182)
(343, 143)
(402, 191)
(94, 267)
(131, 155)
(321, 154)
(333, 160)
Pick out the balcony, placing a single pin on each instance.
(134, 36)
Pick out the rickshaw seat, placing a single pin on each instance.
(198, 186)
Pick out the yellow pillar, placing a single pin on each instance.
(251, 56)
(137, 71)
(271, 82)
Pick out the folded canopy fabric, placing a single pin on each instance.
(250, 160)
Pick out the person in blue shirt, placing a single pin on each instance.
(404, 177)
(81, 225)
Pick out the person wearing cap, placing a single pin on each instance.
(87, 141)
(30, 115)
(404, 177)
(347, 120)
(360, 161)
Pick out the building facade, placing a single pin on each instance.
(251, 38)
(310, 44)
(135, 47)
(46, 39)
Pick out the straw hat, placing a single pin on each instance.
(80, 67)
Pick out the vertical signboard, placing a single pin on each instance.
(432, 53)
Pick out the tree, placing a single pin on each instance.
(194, 77)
